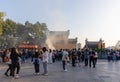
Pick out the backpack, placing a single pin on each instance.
(6, 59)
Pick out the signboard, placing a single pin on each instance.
(27, 46)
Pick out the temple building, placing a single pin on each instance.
(60, 40)
(94, 44)
(117, 46)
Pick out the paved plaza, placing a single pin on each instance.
(104, 72)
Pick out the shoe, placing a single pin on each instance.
(17, 76)
(46, 74)
(6, 74)
(65, 70)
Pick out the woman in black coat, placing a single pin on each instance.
(15, 62)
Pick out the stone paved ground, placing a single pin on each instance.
(104, 72)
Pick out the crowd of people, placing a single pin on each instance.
(113, 55)
(15, 57)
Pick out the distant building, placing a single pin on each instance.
(78, 46)
(117, 46)
(60, 40)
(94, 44)
(110, 47)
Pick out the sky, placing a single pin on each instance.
(91, 19)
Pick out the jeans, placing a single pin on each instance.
(36, 66)
(64, 63)
(45, 67)
(73, 62)
(23, 59)
(86, 61)
(91, 60)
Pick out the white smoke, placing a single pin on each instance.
(58, 21)
(49, 41)
(49, 44)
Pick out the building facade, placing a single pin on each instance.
(94, 44)
(117, 46)
(60, 40)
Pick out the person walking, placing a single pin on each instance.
(45, 61)
(79, 55)
(23, 56)
(8, 62)
(50, 55)
(86, 56)
(95, 57)
(15, 63)
(74, 58)
(91, 58)
(64, 59)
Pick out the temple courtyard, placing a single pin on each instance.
(104, 72)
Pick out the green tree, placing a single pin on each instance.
(11, 27)
(28, 25)
(37, 29)
(44, 27)
(1, 21)
(0, 29)
(20, 30)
